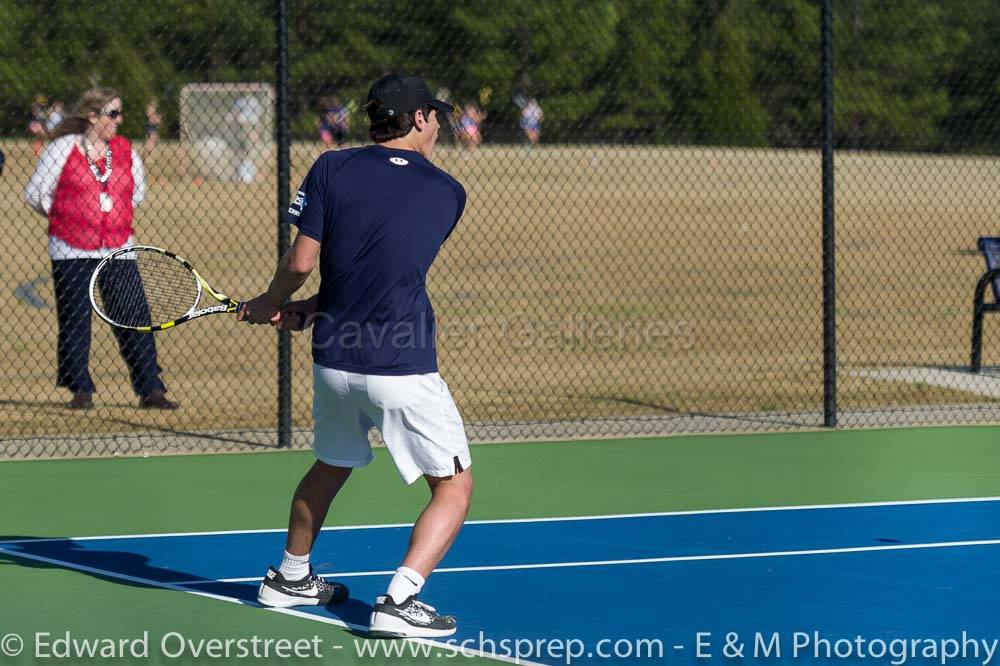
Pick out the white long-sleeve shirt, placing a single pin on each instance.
(42, 186)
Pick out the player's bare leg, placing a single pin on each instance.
(311, 503)
(440, 522)
(398, 613)
(295, 584)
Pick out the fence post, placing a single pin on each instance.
(829, 240)
(284, 133)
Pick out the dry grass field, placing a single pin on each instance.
(582, 282)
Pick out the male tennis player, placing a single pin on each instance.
(374, 218)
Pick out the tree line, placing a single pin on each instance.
(910, 74)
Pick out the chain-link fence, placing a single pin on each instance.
(641, 250)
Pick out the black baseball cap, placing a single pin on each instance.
(398, 94)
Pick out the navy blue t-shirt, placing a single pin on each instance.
(380, 215)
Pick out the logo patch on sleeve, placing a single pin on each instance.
(298, 204)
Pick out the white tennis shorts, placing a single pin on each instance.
(416, 415)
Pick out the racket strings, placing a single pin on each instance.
(148, 289)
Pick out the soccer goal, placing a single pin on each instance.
(228, 129)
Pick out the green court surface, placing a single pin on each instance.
(127, 496)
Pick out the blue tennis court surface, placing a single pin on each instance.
(921, 570)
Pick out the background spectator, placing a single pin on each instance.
(334, 123)
(531, 121)
(469, 123)
(87, 183)
(55, 115)
(36, 123)
(151, 128)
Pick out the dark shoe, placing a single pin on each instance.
(278, 592)
(410, 619)
(81, 400)
(156, 400)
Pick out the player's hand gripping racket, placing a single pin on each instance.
(147, 289)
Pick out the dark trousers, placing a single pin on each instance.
(71, 279)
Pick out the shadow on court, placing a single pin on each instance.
(134, 570)
(115, 566)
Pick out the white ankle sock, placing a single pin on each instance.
(405, 583)
(294, 567)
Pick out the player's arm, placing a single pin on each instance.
(292, 272)
(42, 186)
(294, 268)
(307, 211)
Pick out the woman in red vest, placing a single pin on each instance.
(88, 183)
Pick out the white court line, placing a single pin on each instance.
(647, 560)
(504, 521)
(182, 586)
(178, 587)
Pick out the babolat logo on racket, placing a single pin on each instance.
(149, 289)
(298, 204)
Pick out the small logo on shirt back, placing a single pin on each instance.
(399, 161)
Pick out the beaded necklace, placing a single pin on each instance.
(98, 176)
(104, 199)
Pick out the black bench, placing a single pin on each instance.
(990, 247)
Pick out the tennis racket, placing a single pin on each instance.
(147, 289)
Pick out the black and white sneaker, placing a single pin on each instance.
(277, 592)
(410, 619)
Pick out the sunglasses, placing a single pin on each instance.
(114, 114)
